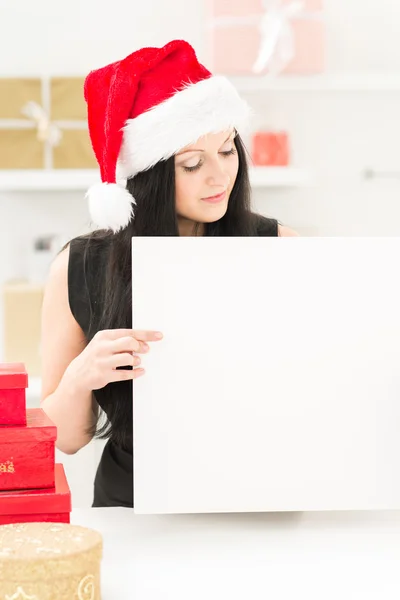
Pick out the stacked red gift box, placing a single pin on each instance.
(32, 486)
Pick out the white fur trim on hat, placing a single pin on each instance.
(209, 106)
(110, 206)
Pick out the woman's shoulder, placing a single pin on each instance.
(90, 248)
(268, 227)
(90, 241)
(87, 262)
(79, 254)
(284, 231)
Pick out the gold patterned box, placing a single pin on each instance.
(49, 561)
(43, 124)
(22, 306)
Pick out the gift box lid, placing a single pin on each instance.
(50, 560)
(32, 502)
(13, 376)
(38, 428)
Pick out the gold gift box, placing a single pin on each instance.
(22, 303)
(62, 100)
(50, 561)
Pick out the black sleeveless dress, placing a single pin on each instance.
(113, 485)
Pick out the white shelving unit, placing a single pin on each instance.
(42, 180)
(80, 180)
(279, 177)
(357, 82)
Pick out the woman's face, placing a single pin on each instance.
(205, 173)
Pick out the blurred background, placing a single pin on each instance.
(323, 77)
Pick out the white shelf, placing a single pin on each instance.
(42, 180)
(81, 180)
(279, 177)
(365, 82)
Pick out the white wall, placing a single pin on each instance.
(362, 35)
(338, 135)
(48, 37)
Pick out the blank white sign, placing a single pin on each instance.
(277, 384)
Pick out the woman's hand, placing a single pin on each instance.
(97, 365)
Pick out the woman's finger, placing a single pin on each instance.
(147, 336)
(142, 335)
(124, 359)
(125, 344)
(125, 375)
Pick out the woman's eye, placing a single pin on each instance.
(194, 168)
(229, 152)
(190, 169)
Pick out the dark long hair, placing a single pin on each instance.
(155, 215)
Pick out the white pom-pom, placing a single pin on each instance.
(110, 206)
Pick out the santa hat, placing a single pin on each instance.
(145, 108)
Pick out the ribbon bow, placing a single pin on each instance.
(277, 47)
(46, 131)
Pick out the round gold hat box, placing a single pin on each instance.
(49, 561)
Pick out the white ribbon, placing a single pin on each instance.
(277, 46)
(46, 130)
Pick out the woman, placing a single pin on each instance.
(170, 129)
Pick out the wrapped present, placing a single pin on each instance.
(13, 383)
(22, 306)
(43, 124)
(50, 561)
(270, 149)
(38, 505)
(254, 37)
(27, 453)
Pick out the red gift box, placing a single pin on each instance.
(271, 149)
(236, 37)
(27, 453)
(51, 505)
(13, 383)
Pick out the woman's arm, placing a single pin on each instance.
(72, 368)
(71, 408)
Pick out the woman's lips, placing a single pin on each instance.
(215, 199)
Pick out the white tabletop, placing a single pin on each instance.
(319, 556)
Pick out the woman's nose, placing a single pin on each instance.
(218, 175)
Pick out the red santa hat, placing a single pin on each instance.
(145, 108)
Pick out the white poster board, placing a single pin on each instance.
(277, 384)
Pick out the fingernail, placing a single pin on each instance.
(137, 361)
(159, 335)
